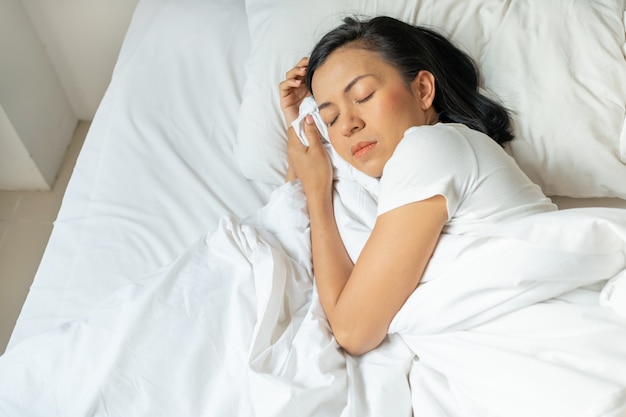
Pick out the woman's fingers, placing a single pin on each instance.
(311, 131)
(292, 81)
(293, 141)
(310, 164)
(297, 73)
(299, 69)
(298, 152)
(291, 86)
(292, 90)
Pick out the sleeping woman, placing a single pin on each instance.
(402, 104)
(508, 319)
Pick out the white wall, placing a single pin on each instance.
(56, 61)
(17, 168)
(83, 39)
(34, 104)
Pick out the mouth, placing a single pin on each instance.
(362, 148)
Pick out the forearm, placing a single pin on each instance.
(361, 300)
(341, 295)
(355, 329)
(331, 263)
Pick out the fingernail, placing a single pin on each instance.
(309, 119)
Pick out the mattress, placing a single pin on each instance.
(161, 163)
(183, 165)
(157, 168)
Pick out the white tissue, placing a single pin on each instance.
(309, 106)
(342, 169)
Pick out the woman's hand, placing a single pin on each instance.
(293, 90)
(310, 164)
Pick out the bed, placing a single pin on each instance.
(154, 294)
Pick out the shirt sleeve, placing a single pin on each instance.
(428, 161)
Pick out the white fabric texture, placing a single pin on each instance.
(481, 183)
(569, 116)
(308, 107)
(240, 306)
(231, 325)
(150, 178)
(508, 324)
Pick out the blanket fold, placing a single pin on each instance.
(511, 323)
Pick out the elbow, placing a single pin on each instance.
(357, 343)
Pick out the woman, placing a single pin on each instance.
(401, 104)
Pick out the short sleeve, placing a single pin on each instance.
(428, 161)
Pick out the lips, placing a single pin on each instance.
(362, 148)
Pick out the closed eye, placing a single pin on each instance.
(363, 100)
(332, 122)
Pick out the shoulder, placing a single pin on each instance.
(441, 145)
(440, 138)
(429, 161)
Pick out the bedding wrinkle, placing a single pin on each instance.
(143, 191)
(178, 280)
(240, 305)
(622, 142)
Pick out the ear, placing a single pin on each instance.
(423, 88)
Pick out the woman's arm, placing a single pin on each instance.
(292, 91)
(361, 304)
(360, 301)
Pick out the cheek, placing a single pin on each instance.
(340, 146)
(397, 110)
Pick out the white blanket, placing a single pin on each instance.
(509, 324)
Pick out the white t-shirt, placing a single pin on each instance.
(481, 183)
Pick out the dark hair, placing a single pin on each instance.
(412, 49)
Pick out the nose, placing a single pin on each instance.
(351, 124)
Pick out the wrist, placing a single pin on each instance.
(289, 115)
(320, 206)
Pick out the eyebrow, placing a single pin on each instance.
(345, 90)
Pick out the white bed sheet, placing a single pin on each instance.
(233, 327)
(156, 170)
(155, 174)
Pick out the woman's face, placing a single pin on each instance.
(367, 106)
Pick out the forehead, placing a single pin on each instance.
(345, 63)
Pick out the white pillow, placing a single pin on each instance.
(259, 13)
(558, 65)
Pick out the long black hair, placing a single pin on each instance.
(412, 49)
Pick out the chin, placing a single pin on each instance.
(369, 168)
(371, 172)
